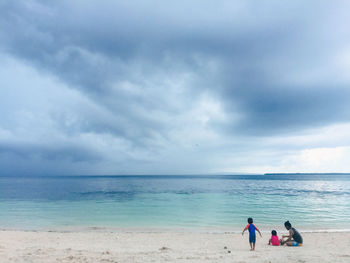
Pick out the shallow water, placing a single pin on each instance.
(310, 202)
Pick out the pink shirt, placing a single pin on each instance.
(275, 241)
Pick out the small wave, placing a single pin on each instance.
(288, 192)
(120, 196)
(106, 193)
(317, 192)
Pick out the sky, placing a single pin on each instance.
(174, 87)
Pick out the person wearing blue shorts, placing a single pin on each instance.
(252, 236)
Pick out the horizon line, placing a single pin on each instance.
(184, 174)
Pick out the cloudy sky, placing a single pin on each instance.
(174, 87)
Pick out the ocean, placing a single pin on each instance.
(211, 203)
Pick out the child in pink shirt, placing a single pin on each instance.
(274, 239)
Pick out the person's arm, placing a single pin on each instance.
(258, 230)
(244, 230)
(289, 237)
(269, 241)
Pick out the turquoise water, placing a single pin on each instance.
(310, 202)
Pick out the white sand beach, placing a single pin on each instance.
(42, 246)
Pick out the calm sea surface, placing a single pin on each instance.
(310, 202)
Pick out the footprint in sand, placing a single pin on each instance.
(70, 258)
(164, 248)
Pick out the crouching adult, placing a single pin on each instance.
(294, 239)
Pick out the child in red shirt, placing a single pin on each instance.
(274, 241)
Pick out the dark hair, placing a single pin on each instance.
(250, 220)
(287, 224)
(274, 232)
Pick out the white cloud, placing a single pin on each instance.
(334, 159)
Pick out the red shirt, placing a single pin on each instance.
(275, 241)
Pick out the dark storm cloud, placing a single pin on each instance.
(272, 67)
(74, 153)
(272, 110)
(92, 47)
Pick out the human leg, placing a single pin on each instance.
(293, 244)
(252, 239)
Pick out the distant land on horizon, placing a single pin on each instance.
(306, 173)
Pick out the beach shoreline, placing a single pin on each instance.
(162, 246)
(203, 230)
